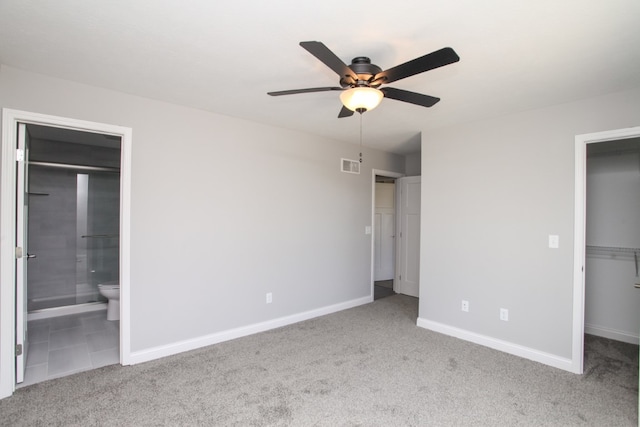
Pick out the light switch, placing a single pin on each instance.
(554, 241)
(367, 229)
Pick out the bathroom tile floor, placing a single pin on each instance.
(65, 345)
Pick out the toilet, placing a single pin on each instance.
(111, 291)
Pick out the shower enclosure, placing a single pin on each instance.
(73, 217)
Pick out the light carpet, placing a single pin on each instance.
(366, 366)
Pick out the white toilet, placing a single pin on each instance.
(111, 291)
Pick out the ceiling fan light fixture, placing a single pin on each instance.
(361, 98)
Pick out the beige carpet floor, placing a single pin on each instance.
(367, 366)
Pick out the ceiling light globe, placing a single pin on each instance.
(364, 98)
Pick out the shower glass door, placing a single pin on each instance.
(98, 232)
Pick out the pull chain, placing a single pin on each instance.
(360, 137)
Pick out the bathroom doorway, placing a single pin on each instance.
(72, 223)
(66, 194)
(73, 219)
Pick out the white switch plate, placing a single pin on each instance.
(269, 298)
(504, 314)
(554, 241)
(465, 305)
(367, 229)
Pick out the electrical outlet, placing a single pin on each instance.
(269, 298)
(504, 314)
(465, 305)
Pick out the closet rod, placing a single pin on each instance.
(76, 167)
(612, 249)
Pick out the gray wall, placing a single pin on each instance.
(613, 220)
(413, 164)
(492, 192)
(224, 211)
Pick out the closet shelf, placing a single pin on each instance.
(611, 249)
(613, 252)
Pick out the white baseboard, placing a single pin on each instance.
(504, 346)
(613, 334)
(192, 344)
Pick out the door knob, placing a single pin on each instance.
(30, 256)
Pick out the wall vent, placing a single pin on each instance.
(350, 166)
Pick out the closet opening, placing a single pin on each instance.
(612, 237)
(606, 246)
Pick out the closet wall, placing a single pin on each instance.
(613, 232)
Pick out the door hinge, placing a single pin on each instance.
(19, 252)
(400, 277)
(20, 155)
(18, 349)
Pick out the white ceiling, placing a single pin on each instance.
(225, 55)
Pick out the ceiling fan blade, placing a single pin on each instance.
(322, 52)
(411, 97)
(311, 89)
(345, 112)
(427, 62)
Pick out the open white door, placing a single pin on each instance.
(408, 241)
(22, 255)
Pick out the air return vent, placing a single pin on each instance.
(350, 166)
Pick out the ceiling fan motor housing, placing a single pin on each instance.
(365, 70)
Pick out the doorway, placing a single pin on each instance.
(16, 304)
(584, 248)
(71, 220)
(400, 254)
(384, 233)
(613, 240)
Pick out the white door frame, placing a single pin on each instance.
(10, 120)
(581, 142)
(388, 174)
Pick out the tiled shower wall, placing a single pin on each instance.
(52, 237)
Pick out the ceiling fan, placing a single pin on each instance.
(359, 81)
